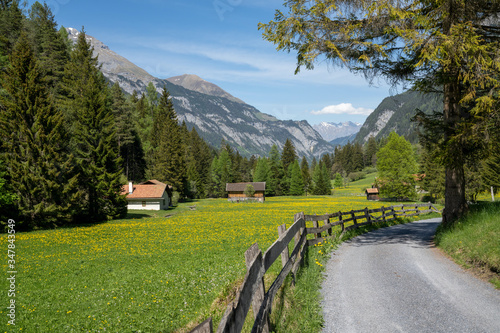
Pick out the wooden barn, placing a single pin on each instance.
(236, 191)
(372, 194)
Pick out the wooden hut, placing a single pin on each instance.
(372, 194)
(236, 191)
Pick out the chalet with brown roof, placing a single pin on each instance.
(236, 191)
(372, 194)
(149, 195)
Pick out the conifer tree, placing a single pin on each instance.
(11, 23)
(296, 181)
(338, 181)
(306, 175)
(275, 172)
(169, 162)
(51, 49)
(34, 143)
(261, 173)
(93, 134)
(127, 138)
(289, 155)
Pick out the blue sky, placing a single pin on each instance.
(218, 40)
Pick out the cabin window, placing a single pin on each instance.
(144, 204)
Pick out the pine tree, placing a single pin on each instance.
(296, 181)
(168, 151)
(370, 156)
(35, 143)
(51, 49)
(93, 134)
(261, 173)
(127, 138)
(288, 155)
(306, 175)
(275, 172)
(338, 181)
(11, 23)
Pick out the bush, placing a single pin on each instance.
(370, 170)
(175, 198)
(353, 176)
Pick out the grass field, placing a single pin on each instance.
(149, 273)
(474, 241)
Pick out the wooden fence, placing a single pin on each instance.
(252, 291)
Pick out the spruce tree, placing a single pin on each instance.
(261, 173)
(276, 173)
(168, 151)
(127, 138)
(306, 175)
(51, 49)
(296, 180)
(289, 155)
(34, 143)
(93, 134)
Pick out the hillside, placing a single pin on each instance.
(215, 114)
(395, 113)
(331, 131)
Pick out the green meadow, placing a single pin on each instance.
(154, 271)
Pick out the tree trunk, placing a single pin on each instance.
(455, 202)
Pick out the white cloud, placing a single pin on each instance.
(342, 108)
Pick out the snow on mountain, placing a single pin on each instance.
(331, 131)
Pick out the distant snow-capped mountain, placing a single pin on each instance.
(332, 131)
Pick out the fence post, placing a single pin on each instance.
(258, 297)
(327, 221)
(383, 214)
(416, 209)
(316, 225)
(354, 217)
(368, 218)
(341, 222)
(285, 255)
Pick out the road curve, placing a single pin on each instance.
(394, 280)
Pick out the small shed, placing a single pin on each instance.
(372, 194)
(149, 195)
(236, 191)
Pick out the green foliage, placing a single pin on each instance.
(50, 47)
(249, 191)
(261, 173)
(443, 46)
(34, 143)
(321, 180)
(169, 163)
(306, 176)
(396, 168)
(296, 180)
(276, 173)
(93, 135)
(338, 181)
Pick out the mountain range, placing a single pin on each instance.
(395, 113)
(332, 131)
(217, 116)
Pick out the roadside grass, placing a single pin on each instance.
(149, 272)
(474, 240)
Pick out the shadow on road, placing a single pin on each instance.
(416, 234)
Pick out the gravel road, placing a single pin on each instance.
(394, 280)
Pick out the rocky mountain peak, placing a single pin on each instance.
(196, 83)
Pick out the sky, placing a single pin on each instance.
(219, 41)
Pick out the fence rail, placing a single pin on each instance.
(252, 291)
